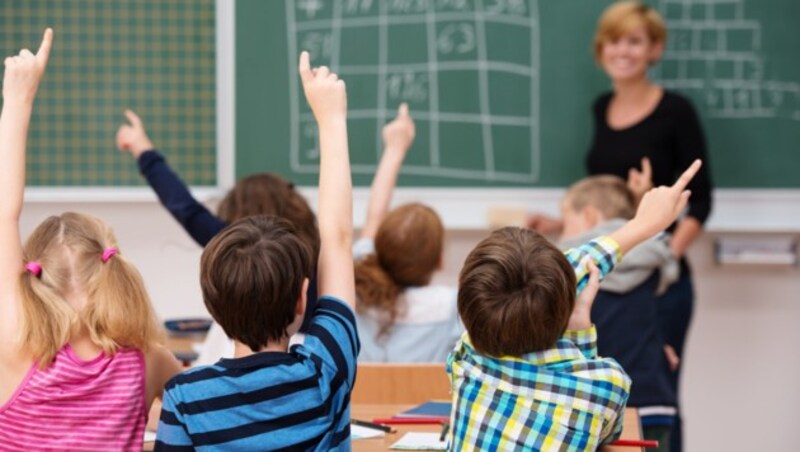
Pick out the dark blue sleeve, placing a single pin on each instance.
(201, 224)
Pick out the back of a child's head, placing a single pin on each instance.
(608, 194)
(69, 257)
(408, 250)
(271, 194)
(252, 275)
(516, 293)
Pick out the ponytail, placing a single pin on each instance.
(118, 312)
(47, 318)
(377, 292)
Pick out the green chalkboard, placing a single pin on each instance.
(154, 56)
(501, 89)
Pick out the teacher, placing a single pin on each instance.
(648, 135)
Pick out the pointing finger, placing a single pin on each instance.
(133, 118)
(304, 68)
(44, 49)
(687, 176)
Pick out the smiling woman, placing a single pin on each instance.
(640, 122)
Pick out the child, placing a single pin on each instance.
(526, 374)
(254, 276)
(79, 358)
(625, 311)
(258, 194)
(401, 318)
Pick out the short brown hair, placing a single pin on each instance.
(624, 16)
(271, 194)
(252, 275)
(516, 293)
(606, 193)
(408, 250)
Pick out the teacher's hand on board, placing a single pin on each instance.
(640, 182)
(24, 71)
(133, 137)
(325, 93)
(398, 135)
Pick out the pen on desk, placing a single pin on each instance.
(383, 428)
(635, 443)
(445, 428)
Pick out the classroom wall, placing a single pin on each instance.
(740, 390)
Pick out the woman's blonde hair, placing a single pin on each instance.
(623, 17)
(408, 250)
(117, 311)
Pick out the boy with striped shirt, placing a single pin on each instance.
(254, 276)
(526, 374)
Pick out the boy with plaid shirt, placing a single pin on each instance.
(526, 373)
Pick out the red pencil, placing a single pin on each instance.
(410, 420)
(635, 443)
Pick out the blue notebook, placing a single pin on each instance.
(431, 408)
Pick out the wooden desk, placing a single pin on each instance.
(631, 428)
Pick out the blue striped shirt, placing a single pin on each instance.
(297, 400)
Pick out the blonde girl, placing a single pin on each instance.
(79, 356)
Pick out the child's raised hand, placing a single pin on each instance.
(133, 137)
(325, 93)
(24, 71)
(581, 317)
(398, 135)
(661, 206)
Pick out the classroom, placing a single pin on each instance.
(500, 108)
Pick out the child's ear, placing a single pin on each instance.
(440, 265)
(593, 216)
(300, 308)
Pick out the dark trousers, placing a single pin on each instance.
(674, 314)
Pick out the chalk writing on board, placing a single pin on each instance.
(713, 52)
(458, 64)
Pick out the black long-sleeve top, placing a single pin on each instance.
(670, 136)
(196, 219)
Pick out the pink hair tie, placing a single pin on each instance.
(34, 267)
(108, 254)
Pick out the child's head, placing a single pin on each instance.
(516, 293)
(73, 281)
(254, 275)
(408, 250)
(594, 200)
(270, 194)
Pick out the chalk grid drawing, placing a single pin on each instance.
(422, 52)
(713, 54)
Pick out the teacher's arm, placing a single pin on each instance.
(690, 145)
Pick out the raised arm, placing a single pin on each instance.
(398, 136)
(20, 82)
(173, 193)
(327, 98)
(657, 210)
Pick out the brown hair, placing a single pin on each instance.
(606, 193)
(516, 293)
(408, 250)
(622, 18)
(270, 194)
(252, 274)
(117, 311)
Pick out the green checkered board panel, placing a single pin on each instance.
(156, 57)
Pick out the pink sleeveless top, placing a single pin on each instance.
(78, 405)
